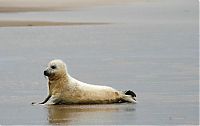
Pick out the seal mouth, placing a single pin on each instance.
(48, 73)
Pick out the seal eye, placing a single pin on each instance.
(53, 67)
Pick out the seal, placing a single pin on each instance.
(64, 89)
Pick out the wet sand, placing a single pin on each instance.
(45, 23)
(49, 5)
(150, 47)
(9, 6)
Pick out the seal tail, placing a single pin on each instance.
(128, 96)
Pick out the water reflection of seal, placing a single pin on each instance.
(63, 89)
(80, 114)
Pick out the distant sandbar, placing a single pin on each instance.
(47, 5)
(15, 23)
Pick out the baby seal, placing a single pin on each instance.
(64, 89)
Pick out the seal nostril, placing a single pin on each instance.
(45, 73)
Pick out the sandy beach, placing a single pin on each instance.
(18, 23)
(37, 5)
(10, 6)
(148, 46)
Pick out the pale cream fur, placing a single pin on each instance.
(64, 89)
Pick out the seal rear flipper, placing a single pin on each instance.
(128, 98)
(129, 92)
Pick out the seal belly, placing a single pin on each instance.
(99, 96)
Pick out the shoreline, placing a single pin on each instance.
(23, 6)
(17, 23)
(10, 6)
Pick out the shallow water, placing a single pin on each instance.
(150, 47)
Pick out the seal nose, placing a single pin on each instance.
(46, 73)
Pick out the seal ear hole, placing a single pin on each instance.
(53, 66)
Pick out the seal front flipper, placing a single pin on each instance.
(48, 97)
